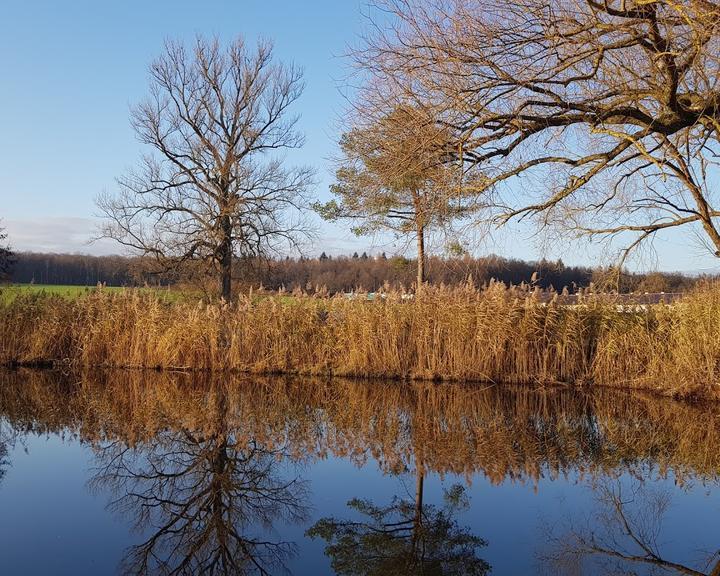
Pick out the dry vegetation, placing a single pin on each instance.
(493, 335)
(504, 432)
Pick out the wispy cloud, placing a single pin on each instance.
(73, 235)
(57, 234)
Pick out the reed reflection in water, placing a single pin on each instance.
(212, 472)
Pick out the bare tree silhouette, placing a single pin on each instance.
(608, 109)
(214, 187)
(622, 537)
(208, 500)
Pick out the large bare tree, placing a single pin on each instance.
(214, 186)
(608, 109)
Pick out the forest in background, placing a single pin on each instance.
(340, 273)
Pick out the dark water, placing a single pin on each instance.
(173, 474)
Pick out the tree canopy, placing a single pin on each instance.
(214, 185)
(396, 174)
(599, 116)
(7, 258)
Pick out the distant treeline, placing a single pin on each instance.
(76, 269)
(340, 274)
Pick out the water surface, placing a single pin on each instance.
(151, 473)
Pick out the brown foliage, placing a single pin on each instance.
(610, 108)
(497, 334)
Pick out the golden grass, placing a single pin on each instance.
(496, 334)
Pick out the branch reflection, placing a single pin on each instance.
(207, 469)
(623, 535)
(207, 500)
(7, 441)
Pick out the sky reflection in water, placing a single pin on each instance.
(173, 474)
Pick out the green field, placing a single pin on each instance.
(9, 292)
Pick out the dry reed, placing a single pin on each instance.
(496, 334)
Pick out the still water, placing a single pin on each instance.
(148, 473)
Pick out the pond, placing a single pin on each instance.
(159, 473)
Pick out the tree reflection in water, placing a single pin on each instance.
(208, 501)
(623, 536)
(403, 538)
(202, 465)
(6, 442)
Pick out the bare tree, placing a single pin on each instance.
(214, 185)
(395, 174)
(609, 108)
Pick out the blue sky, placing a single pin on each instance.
(71, 70)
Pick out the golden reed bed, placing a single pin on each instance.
(496, 334)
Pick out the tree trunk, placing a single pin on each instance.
(226, 260)
(420, 255)
(226, 287)
(419, 490)
(418, 517)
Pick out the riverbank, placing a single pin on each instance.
(496, 334)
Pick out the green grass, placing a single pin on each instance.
(8, 292)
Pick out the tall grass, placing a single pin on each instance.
(496, 334)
